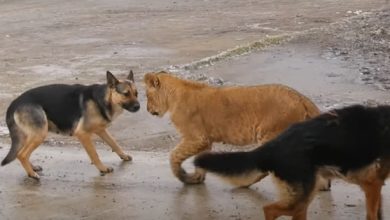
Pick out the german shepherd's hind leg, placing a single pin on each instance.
(29, 129)
(262, 139)
(294, 200)
(372, 191)
(86, 141)
(183, 151)
(297, 211)
(106, 137)
(24, 156)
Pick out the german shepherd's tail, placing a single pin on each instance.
(24, 121)
(15, 139)
(226, 163)
(239, 168)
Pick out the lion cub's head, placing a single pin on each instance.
(156, 93)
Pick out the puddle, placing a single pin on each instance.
(143, 52)
(76, 41)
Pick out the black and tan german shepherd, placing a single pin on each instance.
(352, 143)
(77, 110)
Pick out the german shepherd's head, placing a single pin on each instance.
(123, 92)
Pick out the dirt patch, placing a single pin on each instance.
(77, 41)
(363, 40)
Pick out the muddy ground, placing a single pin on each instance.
(335, 52)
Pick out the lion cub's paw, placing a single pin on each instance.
(126, 157)
(194, 178)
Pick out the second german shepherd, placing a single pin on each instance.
(352, 143)
(77, 110)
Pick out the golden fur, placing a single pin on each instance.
(237, 115)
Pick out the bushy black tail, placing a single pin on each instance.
(14, 133)
(227, 164)
(12, 152)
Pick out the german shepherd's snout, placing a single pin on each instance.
(132, 107)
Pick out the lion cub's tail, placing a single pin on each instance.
(311, 109)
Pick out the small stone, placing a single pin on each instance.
(365, 71)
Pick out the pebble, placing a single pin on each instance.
(365, 71)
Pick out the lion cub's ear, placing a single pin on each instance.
(152, 80)
(111, 80)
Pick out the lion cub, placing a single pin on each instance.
(237, 115)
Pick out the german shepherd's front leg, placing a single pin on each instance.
(86, 141)
(106, 137)
(372, 192)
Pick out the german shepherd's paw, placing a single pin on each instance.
(126, 157)
(107, 170)
(37, 168)
(34, 176)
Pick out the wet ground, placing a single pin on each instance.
(335, 52)
(144, 189)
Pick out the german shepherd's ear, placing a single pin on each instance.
(111, 80)
(131, 76)
(152, 80)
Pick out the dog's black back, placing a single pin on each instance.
(62, 104)
(347, 139)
